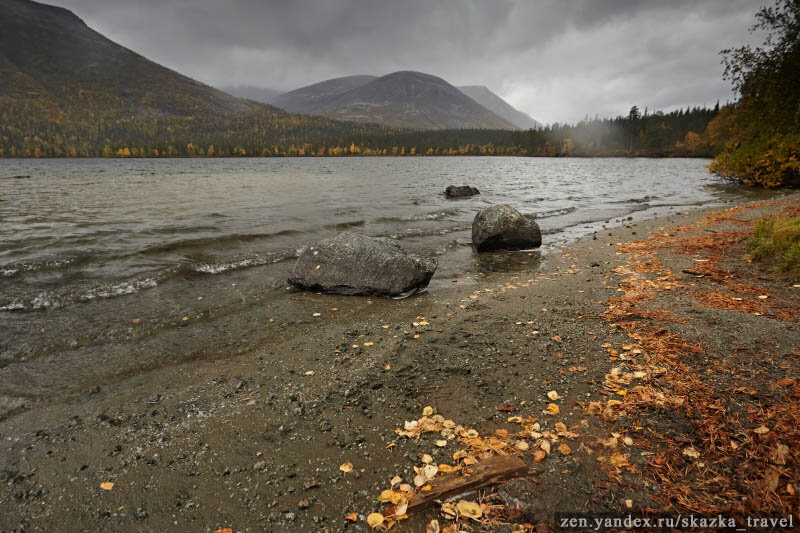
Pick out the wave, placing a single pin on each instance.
(434, 215)
(346, 225)
(54, 299)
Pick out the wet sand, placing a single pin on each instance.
(254, 441)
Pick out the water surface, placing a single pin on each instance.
(87, 246)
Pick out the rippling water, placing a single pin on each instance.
(78, 230)
(82, 241)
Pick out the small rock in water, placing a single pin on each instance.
(460, 191)
(501, 227)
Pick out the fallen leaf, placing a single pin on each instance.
(564, 449)
(427, 411)
(505, 407)
(369, 343)
(691, 452)
(761, 430)
(522, 445)
(441, 443)
(106, 485)
(353, 517)
(538, 456)
(553, 395)
(545, 445)
(346, 467)
(469, 509)
(432, 527)
(430, 471)
(317, 314)
(136, 320)
(419, 480)
(552, 409)
(557, 338)
(223, 530)
(427, 459)
(374, 520)
(310, 373)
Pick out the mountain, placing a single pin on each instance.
(403, 99)
(263, 95)
(497, 105)
(51, 57)
(312, 98)
(66, 90)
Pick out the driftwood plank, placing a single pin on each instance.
(487, 472)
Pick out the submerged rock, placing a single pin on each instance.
(501, 227)
(351, 263)
(460, 191)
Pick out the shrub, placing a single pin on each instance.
(777, 239)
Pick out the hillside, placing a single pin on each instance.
(66, 90)
(50, 57)
(402, 99)
(500, 107)
(312, 98)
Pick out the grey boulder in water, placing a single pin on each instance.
(460, 191)
(351, 263)
(501, 227)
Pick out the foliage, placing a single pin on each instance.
(759, 135)
(777, 239)
(40, 128)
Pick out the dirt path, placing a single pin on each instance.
(673, 392)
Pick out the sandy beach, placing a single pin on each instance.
(698, 363)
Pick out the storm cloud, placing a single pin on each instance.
(557, 60)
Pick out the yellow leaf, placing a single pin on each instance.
(368, 343)
(692, 452)
(317, 314)
(310, 373)
(395, 480)
(346, 467)
(552, 409)
(374, 520)
(761, 430)
(427, 459)
(353, 517)
(469, 509)
(441, 443)
(106, 485)
(553, 395)
(427, 410)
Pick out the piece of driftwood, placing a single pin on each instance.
(698, 274)
(486, 472)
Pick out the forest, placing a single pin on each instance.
(34, 130)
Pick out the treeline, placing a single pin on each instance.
(27, 131)
(760, 134)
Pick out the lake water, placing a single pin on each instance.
(88, 245)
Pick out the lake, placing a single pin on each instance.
(102, 262)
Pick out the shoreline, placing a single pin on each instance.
(241, 441)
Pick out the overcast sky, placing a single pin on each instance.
(557, 60)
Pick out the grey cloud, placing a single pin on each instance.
(555, 59)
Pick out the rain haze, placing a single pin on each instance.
(558, 61)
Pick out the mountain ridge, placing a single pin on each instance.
(494, 103)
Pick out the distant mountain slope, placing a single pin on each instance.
(263, 95)
(65, 90)
(49, 55)
(309, 99)
(497, 105)
(402, 99)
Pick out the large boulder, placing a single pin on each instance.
(351, 263)
(460, 191)
(501, 227)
